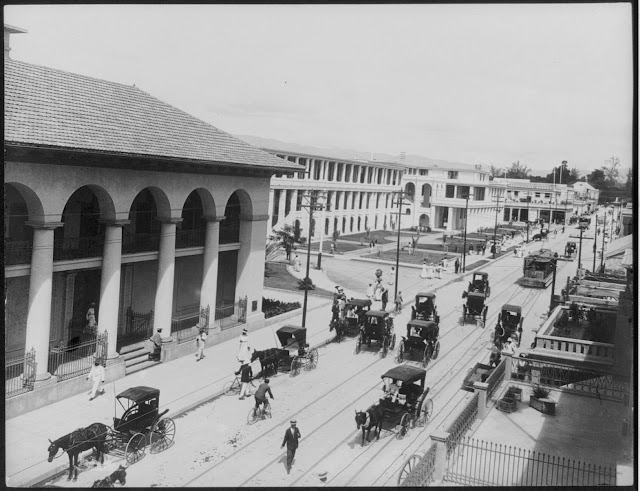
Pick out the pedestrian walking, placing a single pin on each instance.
(478, 248)
(91, 317)
(291, 438)
(296, 264)
(97, 375)
(398, 302)
(410, 249)
(243, 349)
(287, 249)
(200, 342)
(246, 374)
(563, 229)
(439, 271)
(156, 349)
(342, 303)
(385, 298)
(471, 249)
(423, 273)
(391, 276)
(370, 290)
(456, 265)
(333, 248)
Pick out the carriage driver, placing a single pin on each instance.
(391, 390)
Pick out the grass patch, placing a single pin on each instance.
(416, 258)
(342, 246)
(278, 277)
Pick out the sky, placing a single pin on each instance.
(479, 84)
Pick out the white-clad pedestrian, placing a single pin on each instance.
(97, 375)
(200, 342)
(243, 350)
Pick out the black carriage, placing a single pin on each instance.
(425, 307)
(480, 283)
(570, 250)
(378, 326)
(411, 407)
(141, 424)
(509, 323)
(356, 309)
(295, 353)
(421, 342)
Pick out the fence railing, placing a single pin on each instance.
(73, 360)
(132, 243)
(190, 238)
(78, 247)
(480, 463)
(571, 379)
(422, 474)
(20, 374)
(495, 378)
(184, 328)
(230, 315)
(137, 326)
(17, 252)
(462, 423)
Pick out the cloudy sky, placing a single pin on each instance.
(487, 84)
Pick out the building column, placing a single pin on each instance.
(294, 201)
(110, 283)
(450, 219)
(208, 291)
(282, 203)
(166, 271)
(40, 291)
(271, 204)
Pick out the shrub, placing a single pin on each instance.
(272, 307)
(540, 392)
(308, 282)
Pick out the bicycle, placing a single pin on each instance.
(233, 388)
(263, 411)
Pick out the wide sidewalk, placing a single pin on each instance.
(183, 383)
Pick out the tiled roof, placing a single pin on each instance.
(52, 108)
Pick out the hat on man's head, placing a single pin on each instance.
(159, 329)
(510, 340)
(293, 421)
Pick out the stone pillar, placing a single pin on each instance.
(271, 204)
(480, 388)
(294, 201)
(450, 219)
(439, 437)
(110, 284)
(251, 262)
(40, 291)
(166, 269)
(208, 291)
(281, 206)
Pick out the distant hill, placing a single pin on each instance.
(347, 154)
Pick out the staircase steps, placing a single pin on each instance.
(136, 357)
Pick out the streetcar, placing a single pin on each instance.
(537, 271)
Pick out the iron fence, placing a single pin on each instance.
(132, 243)
(462, 423)
(229, 232)
(78, 247)
(480, 463)
(571, 379)
(230, 315)
(495, 378)
(20, 374)
(138, 326)
(17, 252)
(422, 474)
(190, 238)
(185, 328)
(74, 360)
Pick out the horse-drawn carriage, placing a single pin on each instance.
(509, 323)
(570, 250)
(404, 403)
(425, 307)
(292, 356)
(421, 341)
(480, 283)
(141, 424)
(474, 306)
(378, 326)
(356, 309)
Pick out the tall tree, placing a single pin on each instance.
(518, 171)
(629, 184)
(611, 170)
(495, 171)
(598, 179)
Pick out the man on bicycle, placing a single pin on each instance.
(261, 394)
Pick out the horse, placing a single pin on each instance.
(268, 358)
(77, 441)
(339, 325)
(119, 475)
(375, 415)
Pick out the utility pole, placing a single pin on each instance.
(554, 261)
(315, 201)
(595, 247)
(580, 250)
(495, 228)
(399, 203)
(464, 247)
(604, 228)
(528, 222)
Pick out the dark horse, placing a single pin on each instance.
(339, 326)
(77, 441)
(268, 358)
(119, 475)
(375, 415)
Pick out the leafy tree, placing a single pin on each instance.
(495, 171)
(289, 235)
(518, 171)
(598, 179)
(611, 170)
(629, 184)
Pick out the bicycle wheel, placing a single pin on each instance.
(252, 417)
(267, 411)
(231, 388)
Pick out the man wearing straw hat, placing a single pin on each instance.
(291, 437)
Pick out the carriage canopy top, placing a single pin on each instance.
(481, 273)
(512, 308)
(377, 313)
(285, 332)
(406, 374)
(420, 324)
(425, 294)
(476, 296)
(139, 394)
(360, 302)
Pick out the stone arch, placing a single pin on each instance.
(246, 204)
(32, 203)
(407, 211)
(410, 190)
(426, 195)
(424, 220)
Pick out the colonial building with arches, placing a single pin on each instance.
(117, 198)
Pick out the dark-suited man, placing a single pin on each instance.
(291, 437)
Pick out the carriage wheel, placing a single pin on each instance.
(426, 410)
(312, 359)
(484, 314)
(488, 291)
(464, 314)
(436, 350)
(295, 366)
(252, 417)
(162, 434)
(358, 343)
(135, 449)
(393, 341)
(385, 346)
(408, 466)
(400, 355)
(231, 388)
(427, 356)
(404, 425)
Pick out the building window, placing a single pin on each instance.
(478, 194)
(360, 204)
(537, 195)
(424, 172)
(331, 169)
(379, 180)
(377, 200)
(316, 170)
(347, 173)
(462, 192)
(450, 191)
(299, 201)
(389, 176)
(363, 175)
(547, 195)
(452, 174)
(394, 177)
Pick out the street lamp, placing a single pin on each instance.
(315, 201)
(399, 203)
(495, 228)
(319, 265)
(464, 247)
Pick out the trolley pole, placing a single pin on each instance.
(604, 228)
(399, 203)
(528, 222)
(595, 247)
(554, 261)
(495, 228)
(464, 247)
(315, 202)
(580, 250)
